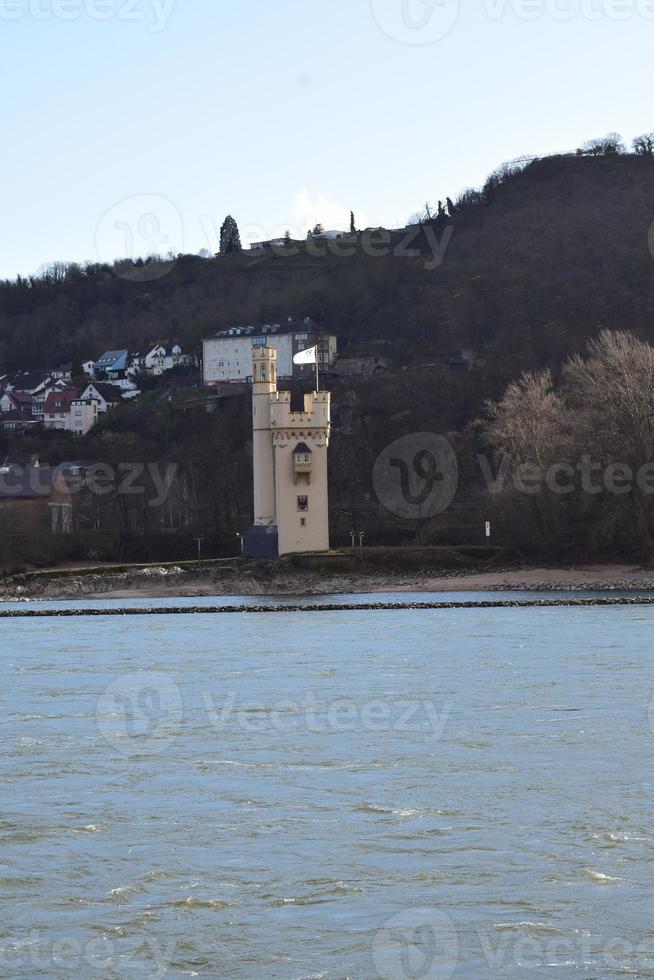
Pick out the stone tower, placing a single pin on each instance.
(291, 499)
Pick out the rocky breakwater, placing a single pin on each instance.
(637, 600)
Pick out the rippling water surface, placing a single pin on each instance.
(306, 795)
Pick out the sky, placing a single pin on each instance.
(135, 126)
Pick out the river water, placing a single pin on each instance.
(411, 794)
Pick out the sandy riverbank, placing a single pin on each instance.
(171, 583)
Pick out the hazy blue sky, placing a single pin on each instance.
(129, 122)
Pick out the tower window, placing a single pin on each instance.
(303, 522)
(302, 504)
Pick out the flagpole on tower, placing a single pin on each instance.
(309, 356)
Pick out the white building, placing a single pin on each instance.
(66, 410)
(83, 416)
(161, 359)
(291, 498)
(228, 356)
(105, 395)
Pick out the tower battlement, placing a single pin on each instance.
(316, 414)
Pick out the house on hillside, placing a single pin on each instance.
(38, 404)
(39, 400)
(66, 410)
(88, 368)
(62, 373)
(14, 422)
(272, 243)
(161, 359)
(82, 416)
(112, 364)
(228, 355)
(29, 383)
(56, 409)
(107, 396)
(329, 236)
(17, 403)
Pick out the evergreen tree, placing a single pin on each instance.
(450, 207)
(441, 210)
(353, 227)
(287, 237)
(230, 238)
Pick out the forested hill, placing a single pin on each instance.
(537, 262)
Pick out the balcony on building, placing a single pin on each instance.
(302, 457)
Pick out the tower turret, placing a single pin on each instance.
(264, 385)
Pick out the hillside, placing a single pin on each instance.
(530, 273)
(537, 263)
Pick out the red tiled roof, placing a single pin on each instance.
(20, 398)
(59, 401)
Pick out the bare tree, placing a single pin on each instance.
(604, 146)
(528, 423)
(644, 145)
(611, 393)
(611, 397)
(527, 430)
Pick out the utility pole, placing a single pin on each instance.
(199, 539)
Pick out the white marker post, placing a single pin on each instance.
(488, 532)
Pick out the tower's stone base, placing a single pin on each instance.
(262, 542)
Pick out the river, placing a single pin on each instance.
(392, 794)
